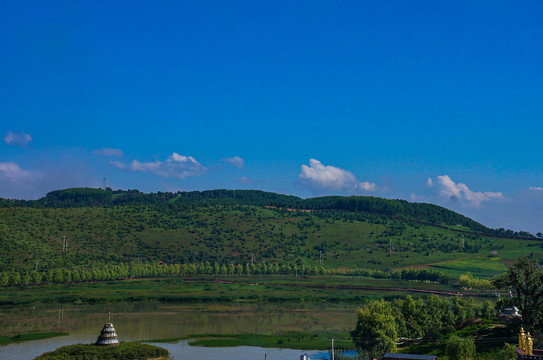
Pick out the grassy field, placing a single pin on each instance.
(269, 288)
(287, 340)
(290, 340)
(5, 340)
(479, 266)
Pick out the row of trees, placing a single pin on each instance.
(430, 275)
(380, 324)
(127, 271)
(124, 271)
(468, 281)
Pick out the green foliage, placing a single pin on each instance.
(460, 348)
(508, 352)
(375, 332)
(420, 318)
(124, 351)
(468, 281)
(525, 278)
(413, 319)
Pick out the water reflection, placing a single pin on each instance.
(183, 351)
(153, 320)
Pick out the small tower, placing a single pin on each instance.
(108, 336)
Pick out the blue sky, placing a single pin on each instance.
(438, 102)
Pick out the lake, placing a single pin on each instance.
(153, 320)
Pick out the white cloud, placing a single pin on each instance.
(50, 173)
(460, 192)
(235, 161)
(367, 186)
(109, 152)
(535, 188)
(245, 180)
(17, 183)
(325, 177)
(429, 182)
(12, 171)
(17, 139)
(176, 165)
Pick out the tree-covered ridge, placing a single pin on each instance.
(89, 197)
(401, 208)
(99, 235)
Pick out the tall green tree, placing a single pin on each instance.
(460, 348)
(4, 278)
(525, 280)
(375, 331)
(36, 277)
(411, 317)
(224, 270)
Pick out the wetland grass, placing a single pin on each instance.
(5, 340)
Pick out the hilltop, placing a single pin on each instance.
(235, 226)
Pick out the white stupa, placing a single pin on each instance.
(108, 336)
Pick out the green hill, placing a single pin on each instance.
(235, 226)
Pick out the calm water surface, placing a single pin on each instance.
(151, 320)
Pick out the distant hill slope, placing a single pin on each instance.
(104, 226)
(86, 197)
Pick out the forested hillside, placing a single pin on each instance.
(235, 226)
(87, 197)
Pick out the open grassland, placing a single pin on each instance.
(5, 340)
(269, 288)
(479, 266)
(290, 340)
